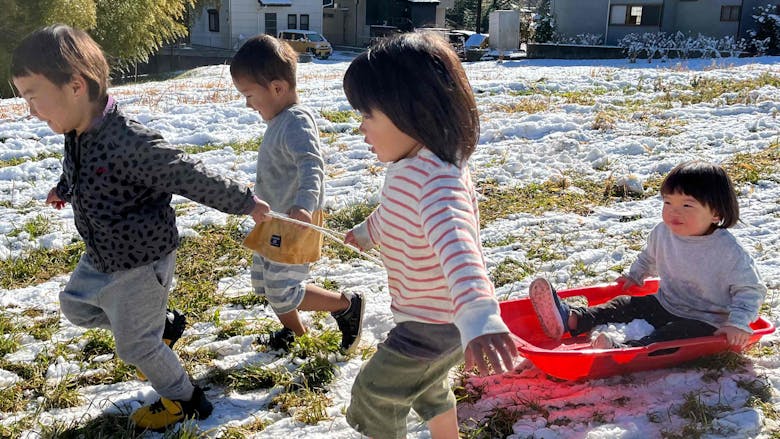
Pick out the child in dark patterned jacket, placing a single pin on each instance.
(119, 178)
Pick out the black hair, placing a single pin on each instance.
(58, 53)
(263, 59)
(709, 184)
(417, 80)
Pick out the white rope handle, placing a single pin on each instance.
(332, 234)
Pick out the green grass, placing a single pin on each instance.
(36, 227)
(239, 146)
(753, 167)
(19, 160)
(341, 116)
(538, 198)
(39, 265)
(201, 262)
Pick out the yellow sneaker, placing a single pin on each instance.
(175, 322)
(165, 412)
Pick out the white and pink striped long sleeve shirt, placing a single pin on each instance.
(427, 228)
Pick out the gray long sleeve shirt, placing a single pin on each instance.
(290, 169)
(710, 278)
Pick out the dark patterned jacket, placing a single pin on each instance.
(119, 177)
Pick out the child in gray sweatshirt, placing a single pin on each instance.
(708, 282)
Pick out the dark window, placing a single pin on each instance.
(270, 23)
(213, 20)
(730, 13)
(292, 21)
(635, 15)
(304, 21)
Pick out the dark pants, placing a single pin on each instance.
(623, 309)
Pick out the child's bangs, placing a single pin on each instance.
(361, 86)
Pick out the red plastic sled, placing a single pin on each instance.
(573, 358)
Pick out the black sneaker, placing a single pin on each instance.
(278, 340)
(175, 323)
(165, 412)
(350, 322)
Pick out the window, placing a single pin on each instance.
(213, 20)
(304, 21)
(270, 23)
(635, 15)
(730, 13)
(292, 21)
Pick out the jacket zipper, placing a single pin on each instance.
(76, 180)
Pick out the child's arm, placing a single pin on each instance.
(363, 235)
(450, 223)
(158, 165)
(644, 265)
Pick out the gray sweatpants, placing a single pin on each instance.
(131, 304)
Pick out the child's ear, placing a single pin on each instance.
(279, 87)
(78, 85)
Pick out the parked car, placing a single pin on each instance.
(307, 41)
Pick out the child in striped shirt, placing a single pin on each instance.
(420, 117)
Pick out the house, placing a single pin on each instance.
(614, 19)
(355, 22)
(227, 23)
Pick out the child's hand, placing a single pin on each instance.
(499, 349)
(300, 214)
(54, 200)
(260, 212)
(735, 336)
(350, 239)
(626, 281)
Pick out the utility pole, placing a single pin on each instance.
(357, 2)
(479, 16)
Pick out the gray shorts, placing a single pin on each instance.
(281, 284)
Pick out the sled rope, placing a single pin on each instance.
(332, 234)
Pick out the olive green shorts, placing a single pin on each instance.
(391, 383)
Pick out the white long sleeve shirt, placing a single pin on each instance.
(427, 228)
(710, 278)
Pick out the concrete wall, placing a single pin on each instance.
(573, 17)
(702, 17)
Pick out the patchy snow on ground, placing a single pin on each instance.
(651, 130)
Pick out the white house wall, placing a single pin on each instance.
(200, 34)
(241, 19)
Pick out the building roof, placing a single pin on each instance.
(275, 2)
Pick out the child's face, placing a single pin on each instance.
(685, 216)
(388, 142)
(55, 105)
(268, 101)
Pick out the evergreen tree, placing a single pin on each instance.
(127, 30)
(765, 39)
(544, 25)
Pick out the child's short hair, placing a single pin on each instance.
(59, 52)
(263, 59)
(709, 184)
(417, 80)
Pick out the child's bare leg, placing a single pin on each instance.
(292, 321)
(320, 299)
(572, 321)
(445, 425)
